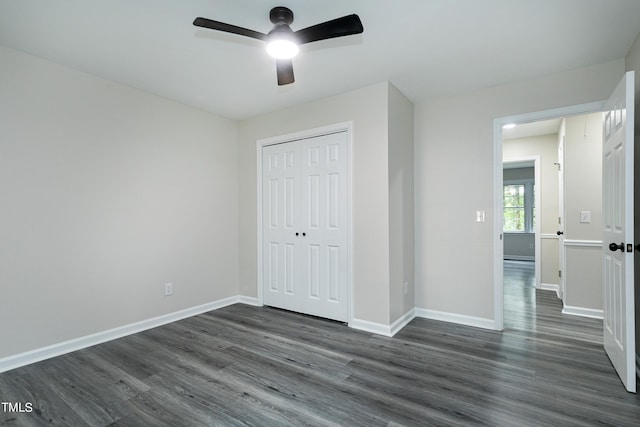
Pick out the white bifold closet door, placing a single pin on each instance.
(305, 226)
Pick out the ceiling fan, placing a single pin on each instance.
(283, 42)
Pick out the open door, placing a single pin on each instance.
(560, 232)
(618, 251)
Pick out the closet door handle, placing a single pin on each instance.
(304, 234)
(297, 234)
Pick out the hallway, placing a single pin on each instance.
(540, 311)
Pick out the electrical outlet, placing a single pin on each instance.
(168, 289)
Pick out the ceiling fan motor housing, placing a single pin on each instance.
(281, 15)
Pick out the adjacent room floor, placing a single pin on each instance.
(244, 365)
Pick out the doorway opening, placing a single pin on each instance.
(570, 265)
(612, 179)
(542, 238)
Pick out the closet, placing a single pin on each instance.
(305, 226)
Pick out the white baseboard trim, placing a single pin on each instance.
(372, 327)
(581, 311)
(381, 328)
(551, 287)
(248, 300)
(39, 354)
(461, 319)
(403, 321)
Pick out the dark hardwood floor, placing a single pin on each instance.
(244, 365)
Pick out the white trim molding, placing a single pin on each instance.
(403, 321)
(58, 349)
(460, 319)
(249, 300)
(549, 236)
(381, 328)
(583, 243)
(551, 287)
(581, 311)
(372, 327)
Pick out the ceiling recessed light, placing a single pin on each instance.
(509, 126)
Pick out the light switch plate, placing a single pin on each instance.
(585, 217)
(480, 216)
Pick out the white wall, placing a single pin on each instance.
(401, 209)
(583, 192)
(107, 193)
(368, 109)
(454, 177)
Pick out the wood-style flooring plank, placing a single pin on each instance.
(258, 366)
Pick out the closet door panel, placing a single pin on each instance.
(306, 226)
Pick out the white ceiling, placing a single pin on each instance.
(426, 48)
(523, 130)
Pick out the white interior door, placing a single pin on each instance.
(280, 221)
(305, 226)
(618, 273)
(560, 232)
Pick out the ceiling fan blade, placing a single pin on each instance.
(345, 26)
(221, 26)
(284, 67)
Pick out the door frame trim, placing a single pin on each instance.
(296, 136)
(498, 252)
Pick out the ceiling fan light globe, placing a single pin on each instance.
(282, 49)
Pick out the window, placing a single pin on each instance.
(518, 202)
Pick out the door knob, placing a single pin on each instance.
(559, 233)
(614, 247)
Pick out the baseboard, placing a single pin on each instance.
(551, 287)
(248, 300)
(39, 354)
(381, 328)
(402, 321)
(478, 322)
(581, 311)
(372, 327)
